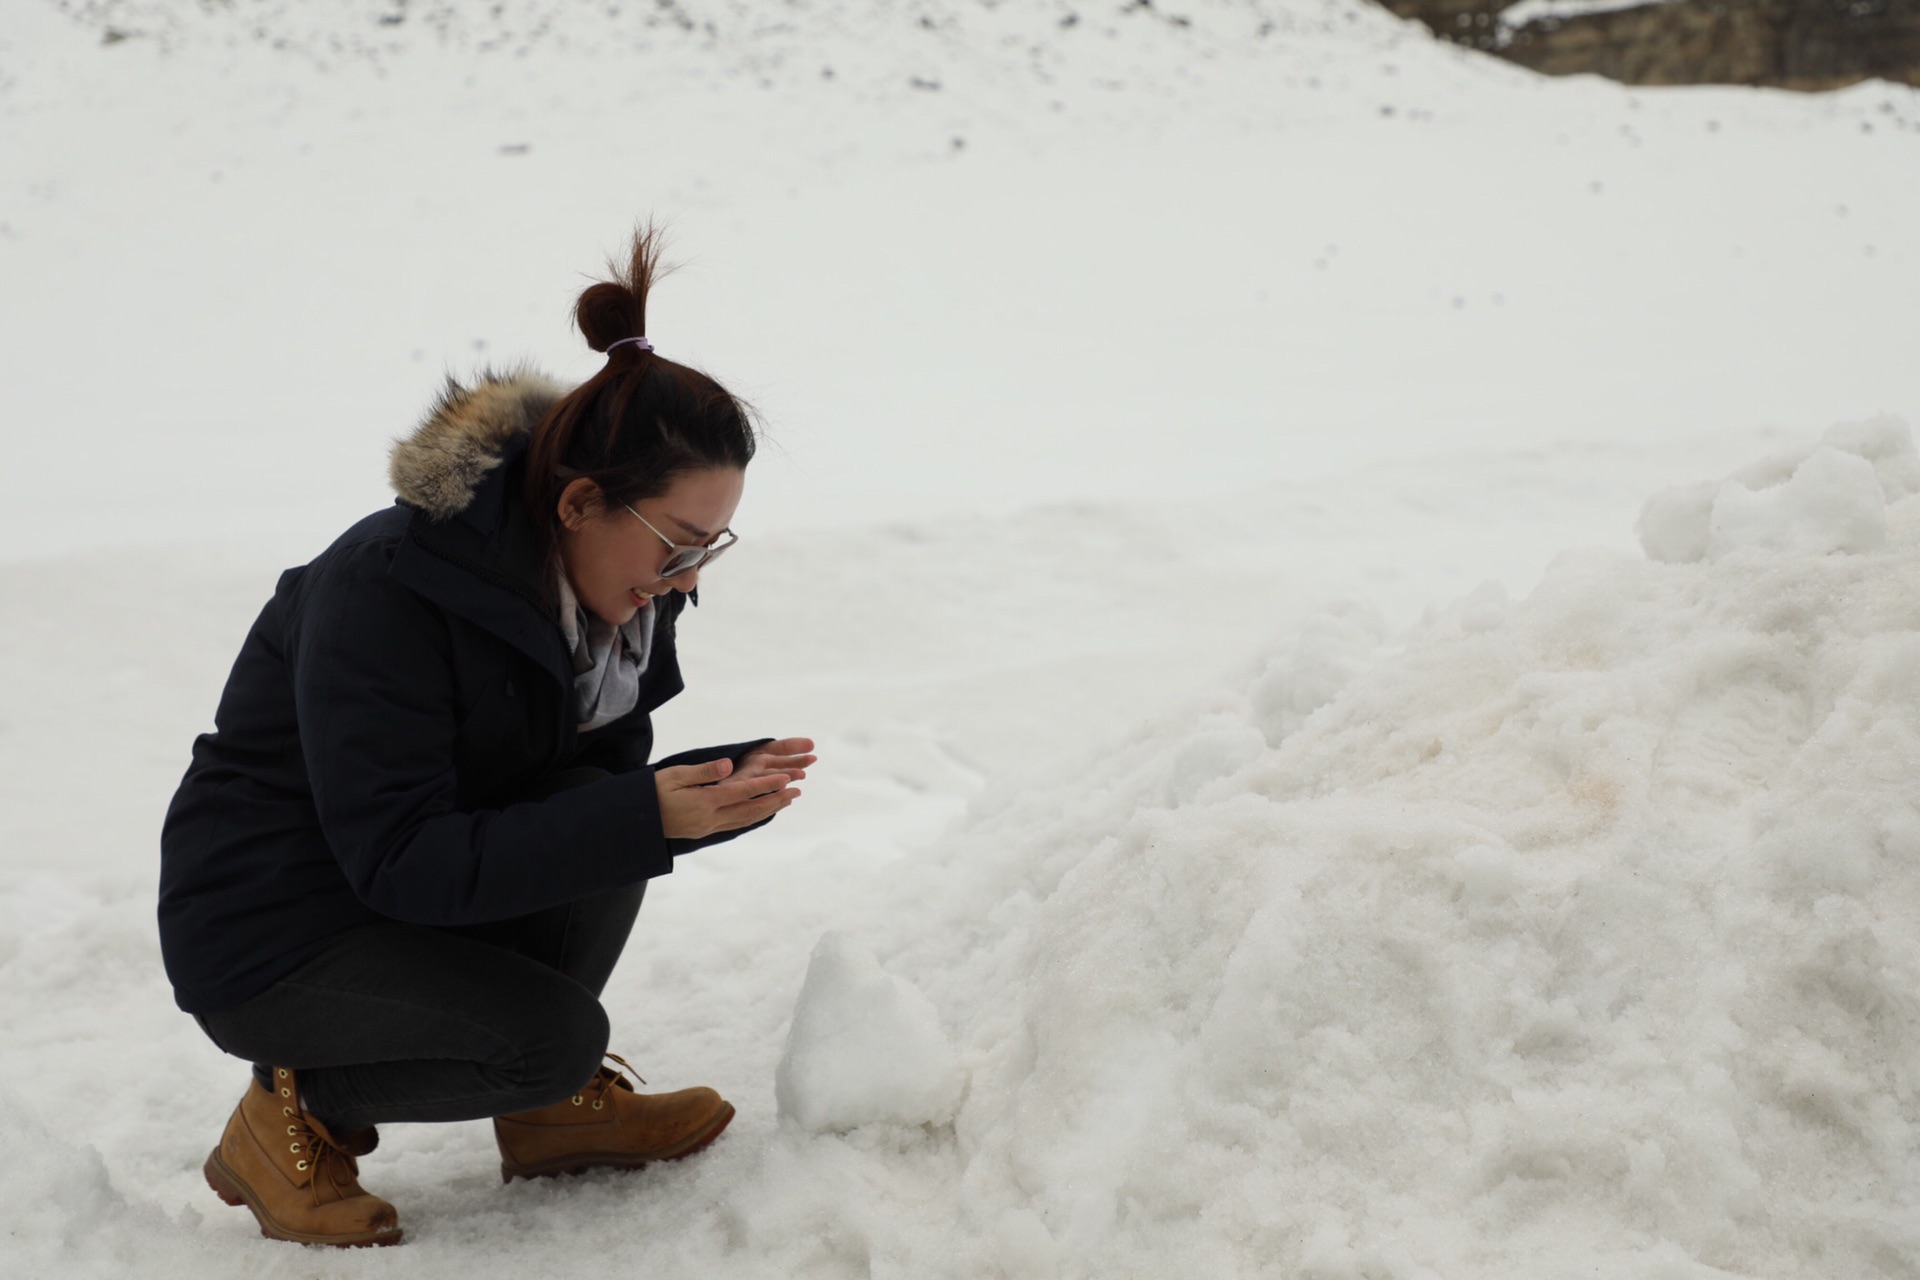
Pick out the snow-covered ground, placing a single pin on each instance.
(1286, 817)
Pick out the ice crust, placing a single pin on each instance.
(864, 1048)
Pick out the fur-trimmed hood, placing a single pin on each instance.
(466, 435)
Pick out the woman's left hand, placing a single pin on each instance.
(790, 756)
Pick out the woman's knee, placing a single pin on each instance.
(562, 1046)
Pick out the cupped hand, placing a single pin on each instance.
(698, 800)
(790, 756)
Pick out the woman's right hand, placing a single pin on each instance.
(697, 800)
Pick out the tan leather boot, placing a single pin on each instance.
(301, 1181)
(608, 1125)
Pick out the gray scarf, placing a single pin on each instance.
(607, 660)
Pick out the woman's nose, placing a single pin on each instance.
(684, 581)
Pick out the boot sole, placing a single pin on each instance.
(232, 1191)
(581, 1161)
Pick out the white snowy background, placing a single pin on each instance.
(1361, 610)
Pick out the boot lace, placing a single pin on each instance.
(319, 1154)
(605, 1080)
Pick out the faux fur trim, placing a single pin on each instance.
(463, 437)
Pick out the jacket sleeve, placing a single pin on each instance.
(374, 694)
(626, 754)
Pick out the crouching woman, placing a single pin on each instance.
(398, 874)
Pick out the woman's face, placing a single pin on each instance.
(614, 561)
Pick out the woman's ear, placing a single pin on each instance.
(580, 501)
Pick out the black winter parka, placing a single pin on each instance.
(393, 704)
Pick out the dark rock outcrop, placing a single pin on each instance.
(1792, 44)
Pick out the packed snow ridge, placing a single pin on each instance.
(1572, 936)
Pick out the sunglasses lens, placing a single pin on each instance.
(685, 558)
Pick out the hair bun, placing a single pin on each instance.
(610, 310)
(605, 314)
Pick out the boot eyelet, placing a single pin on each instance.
(302, 1166)
(286, 1111)
(286, 1093)
(283, 1073)
(577, 1099)
(599, 1103)
(293, 1131)
(294, 1147)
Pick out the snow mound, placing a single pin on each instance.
(36, 1167)
(64, 1216)
(1334, 644)
(1575, 937)
(865, 1048)
(1832, 498)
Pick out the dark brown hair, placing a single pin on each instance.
(643, 420)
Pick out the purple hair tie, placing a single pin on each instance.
(642, 343)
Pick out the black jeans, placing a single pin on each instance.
(396, 1022)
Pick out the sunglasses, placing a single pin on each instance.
(682, 558)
